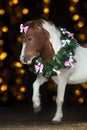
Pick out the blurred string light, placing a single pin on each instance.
(18, 64)
(75, 17)
(47, 1)
(21, 71)
(75, 1)
(13, 2)
(80, 24)
(2, 11)
(25, 11)
(72, 8)
(84, 85)
(4, 29)
(20, 96)
(3, 55)
(1, 80)
(78, 20)
(3, 87)
(46, 8)
(78, 92)
(1, 42)
(22, 89)
(81, 100)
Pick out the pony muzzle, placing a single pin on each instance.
(26, 60)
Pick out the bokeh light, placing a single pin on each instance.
(81, 100)
(2, 11)
(4, 87)
(47, 1)
(72, 9)
(22, 89)
(75, 17)
(46, 10)
(80, 24)
(3, 55)
(18, 64)
(77, 92)
(25, 11)
(4, 29)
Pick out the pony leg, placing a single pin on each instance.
(36, 96)
(59, 100)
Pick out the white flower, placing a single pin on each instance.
(67, 41)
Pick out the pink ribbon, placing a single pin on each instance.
(70, 34)
(39, 68)
(23, 29)
(69, 63)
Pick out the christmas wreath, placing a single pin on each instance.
(63, 59)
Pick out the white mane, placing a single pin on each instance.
(54, 35)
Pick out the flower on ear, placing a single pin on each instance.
(23, 28)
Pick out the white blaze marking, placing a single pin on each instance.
(23, 49)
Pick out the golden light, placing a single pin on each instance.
(82, 37)
(22, 89)
(20, 97)
(72, 8)
(18, 64)
(3, 55)
(75, 1)
(15, 2)
(46, 1)
(75, 17)
(77, 92)
(19, 81)
(81, 100)
(22, 71)
(10, 3)
(46, 10)
(84, 85)
(25, 11)
(80, 24)
(1, 80)
(19, 39)
(4, 87)
(2, 11)
(4, 29)
(1, 42)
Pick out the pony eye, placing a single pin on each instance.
(29, 39)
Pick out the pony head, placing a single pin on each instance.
(35, 42)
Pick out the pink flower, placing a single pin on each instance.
(70, 34)
(69, 63)
(39, 68)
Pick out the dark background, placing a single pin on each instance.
(15, 78)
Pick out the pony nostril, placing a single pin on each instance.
(26, 59)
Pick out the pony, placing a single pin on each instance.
(55, 47)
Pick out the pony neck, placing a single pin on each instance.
(47, 51)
